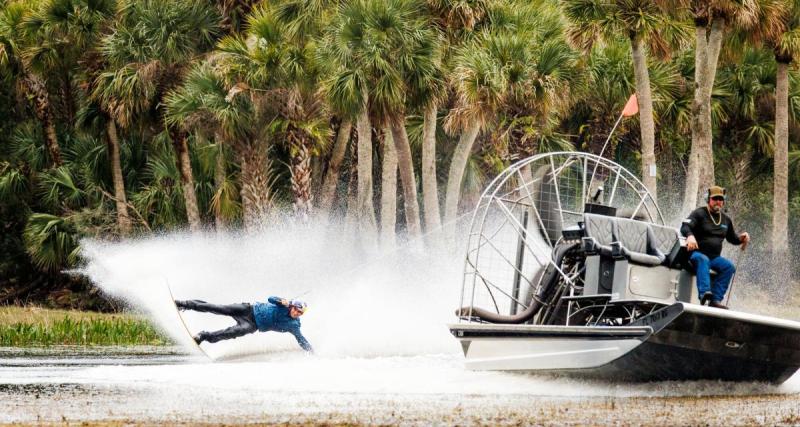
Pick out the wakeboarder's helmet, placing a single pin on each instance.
(300, 305)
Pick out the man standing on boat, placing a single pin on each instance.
(277, 314)
(705, 229)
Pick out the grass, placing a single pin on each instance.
(34, 326)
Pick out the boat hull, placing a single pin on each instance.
(679, 342)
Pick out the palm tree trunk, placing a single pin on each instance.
(430, 191)
(219, 183)
(41, 106)
(181, 145)
(698, 122)
(456, 174)
(742, 174)
(69, 98)
(706, 160)
(388, 190)
(645, 99)
(255, 194)
(301, 173)
(406, 166)
(328, 192)
(351, 213)
(780, 196)
(123, 220)
(365, 210)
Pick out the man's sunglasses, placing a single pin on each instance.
(718, 198)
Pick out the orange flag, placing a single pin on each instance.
(631, 107)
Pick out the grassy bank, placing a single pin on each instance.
(34, 326)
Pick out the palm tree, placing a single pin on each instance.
(455, 20)
(347, 89)
(649, 28)
(786, 48)
(14, 42)
(778, 27)
(505, 67)
(63, 31)
(202, 105)
(209, 104)
(711, 19)
(279, 63)
(481, 87)
(143, 57)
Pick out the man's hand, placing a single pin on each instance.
(691, 243)
(285, 302)
(745, 238)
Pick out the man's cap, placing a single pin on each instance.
(300, 305)
(716, 191)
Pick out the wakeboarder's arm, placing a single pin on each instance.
(278, 301)
(304, 344)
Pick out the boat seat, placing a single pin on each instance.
(667, 240)
(636, 242)
(600, 233)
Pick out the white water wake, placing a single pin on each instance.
(361, 303)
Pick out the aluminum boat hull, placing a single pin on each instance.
(678, 342)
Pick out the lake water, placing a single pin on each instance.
(145, 385)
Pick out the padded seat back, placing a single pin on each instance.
(636, 239)
(666, 240)
(600, 228)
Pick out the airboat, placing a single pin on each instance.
(570, 269)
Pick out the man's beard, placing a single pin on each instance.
(716, 209)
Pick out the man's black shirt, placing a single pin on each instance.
(709, 235)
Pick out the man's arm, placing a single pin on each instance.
(731, 235)
(278, 301)
(302, 340)
(688, 225)
(737, 239)
(687, 230)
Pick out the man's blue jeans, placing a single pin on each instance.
(703, 266)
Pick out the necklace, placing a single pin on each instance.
(712, 216)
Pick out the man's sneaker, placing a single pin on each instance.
(706, 298)
(189, 304)
(717, 304)
(199, 338)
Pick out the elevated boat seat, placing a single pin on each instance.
(639, 264)
(636, 243)
(600, 231)
(667, 240)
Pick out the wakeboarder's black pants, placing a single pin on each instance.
(241, 313)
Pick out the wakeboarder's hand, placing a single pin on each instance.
(284, 302)
(691, 243)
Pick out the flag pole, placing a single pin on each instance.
(591, 179)
(625, 111)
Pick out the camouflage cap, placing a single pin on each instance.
(716, 191)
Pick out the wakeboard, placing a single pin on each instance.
(183, 323)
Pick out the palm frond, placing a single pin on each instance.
(50, 241)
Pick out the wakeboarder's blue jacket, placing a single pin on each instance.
(272, 316)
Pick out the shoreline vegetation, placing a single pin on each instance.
(36, 326)
(121, 119)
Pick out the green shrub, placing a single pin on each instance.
(67, 331)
